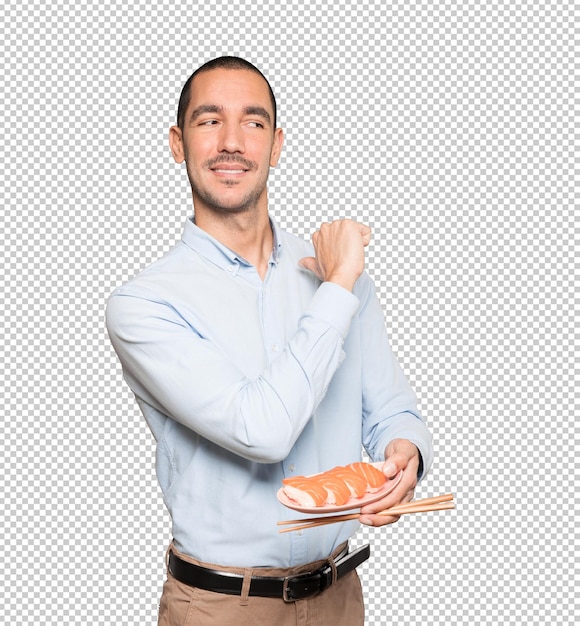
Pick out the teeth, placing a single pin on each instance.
(229, 171)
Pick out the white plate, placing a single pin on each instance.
(353, 503)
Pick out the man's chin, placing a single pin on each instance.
(227, 208)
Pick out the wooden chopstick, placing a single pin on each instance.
(339, 518)
(444, 506)
(436, 503)
(329, 519)
(447, 497)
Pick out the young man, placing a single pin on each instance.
(255, 356)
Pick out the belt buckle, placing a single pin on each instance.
(309, 589)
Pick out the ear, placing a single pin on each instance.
(176, 144)
(276, 147)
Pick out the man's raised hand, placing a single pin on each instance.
(339, 248)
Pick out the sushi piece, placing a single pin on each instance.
(353, 480)
(293, 480)
(375, 479)
(305, 491)
(337, 490)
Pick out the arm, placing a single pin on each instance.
(170, 366)
(174, 369)
(393, 428)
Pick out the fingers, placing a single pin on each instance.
(371, 517)
(400, 454)
(378, 520)
(400, 461)
(364, 230)
(310, 263)
(365, 233)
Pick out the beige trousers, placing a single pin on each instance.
(339, 605)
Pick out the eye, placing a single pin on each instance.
(208, 122)
(256, 124)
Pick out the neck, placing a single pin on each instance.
(248, 234)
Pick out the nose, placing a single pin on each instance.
(231, 138)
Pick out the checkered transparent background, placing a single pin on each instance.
(449, 127)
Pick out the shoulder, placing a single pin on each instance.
(154, 280)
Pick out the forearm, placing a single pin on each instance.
(389, 404)
(190, 380)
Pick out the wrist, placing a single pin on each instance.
(345, 281)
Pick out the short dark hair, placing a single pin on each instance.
(225, 62)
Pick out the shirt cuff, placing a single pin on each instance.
(335, 305)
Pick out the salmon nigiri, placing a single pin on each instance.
(354, 481)
(305, 491)
(374, 477)
(337, 489)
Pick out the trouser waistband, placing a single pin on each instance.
(289, 588)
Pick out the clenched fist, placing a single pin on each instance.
(339, 248)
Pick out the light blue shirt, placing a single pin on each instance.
(243, 382)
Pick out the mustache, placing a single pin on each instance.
(230, 158)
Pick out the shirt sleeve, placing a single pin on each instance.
(171, 367)
(389, 403)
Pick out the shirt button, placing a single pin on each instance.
(275, 347)
(292, 467)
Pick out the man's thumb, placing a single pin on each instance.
(310, 263)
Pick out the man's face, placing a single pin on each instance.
(228, 141)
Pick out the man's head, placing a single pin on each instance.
(228, 63)
(227, 137)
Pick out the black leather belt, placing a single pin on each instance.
(289, 588)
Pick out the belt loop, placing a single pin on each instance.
(167, 553)
(334, 570)
(246, 587)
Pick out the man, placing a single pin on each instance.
(255, 356)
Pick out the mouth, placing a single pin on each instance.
(229, 168)
(228, 171)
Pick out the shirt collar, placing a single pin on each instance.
(210, 248)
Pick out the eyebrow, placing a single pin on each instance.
(214, 108)
(259, 111)
(204, 108)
